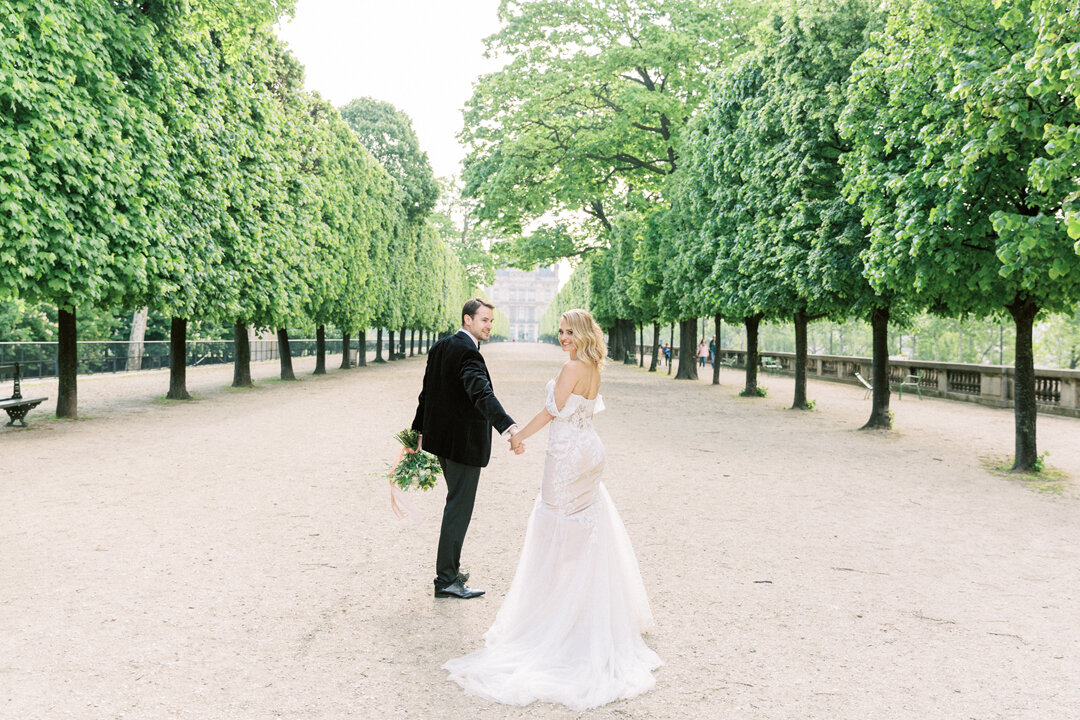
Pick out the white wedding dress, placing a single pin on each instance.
(570, 628)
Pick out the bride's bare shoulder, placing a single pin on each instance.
(574, 368)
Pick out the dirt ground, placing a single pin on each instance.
(236, 557)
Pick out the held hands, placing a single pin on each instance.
(516, 444)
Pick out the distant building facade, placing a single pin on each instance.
(524, 296)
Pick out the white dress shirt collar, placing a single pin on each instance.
(470, 336)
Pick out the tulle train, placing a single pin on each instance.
(570, 628)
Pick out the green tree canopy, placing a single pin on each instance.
(388, 134)
(587, 111)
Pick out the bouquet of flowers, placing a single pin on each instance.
(419, 469)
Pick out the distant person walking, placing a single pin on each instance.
(702, 352)
(712, 351)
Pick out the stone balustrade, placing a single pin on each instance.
(1057, 391)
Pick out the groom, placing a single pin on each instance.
(454, 416)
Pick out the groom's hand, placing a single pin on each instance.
(518, 446)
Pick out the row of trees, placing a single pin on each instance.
(792, 162)
(165, 155)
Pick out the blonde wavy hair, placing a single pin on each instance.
(588, 337)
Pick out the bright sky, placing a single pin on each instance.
(422, 56)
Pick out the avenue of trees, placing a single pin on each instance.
(790, 162)
(165, 155)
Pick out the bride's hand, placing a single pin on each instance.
(518, 446)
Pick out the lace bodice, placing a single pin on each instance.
(578, 410)
(574, 457)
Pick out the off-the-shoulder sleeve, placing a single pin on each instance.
(550, 405)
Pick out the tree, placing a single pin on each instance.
(587, 112)
(948, 146)
(79, 146)
(647, 278)
(269, 251)
(190, 201)
(388, 134)
(716, 234)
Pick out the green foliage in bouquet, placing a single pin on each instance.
(419, 468)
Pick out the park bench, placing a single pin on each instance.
(730, 361)
(770, 365)
(868, 386)
(17, 406)
(911, 381)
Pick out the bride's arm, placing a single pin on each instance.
(564, 385)
(541, 419)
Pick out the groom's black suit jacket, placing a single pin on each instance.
(457, 407)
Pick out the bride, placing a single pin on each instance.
(570, 628)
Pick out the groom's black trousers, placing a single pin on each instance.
(461, 482)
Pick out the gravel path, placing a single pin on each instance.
(236, 557)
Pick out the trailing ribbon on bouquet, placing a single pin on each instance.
(403, 507)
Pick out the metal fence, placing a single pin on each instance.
(39, 359)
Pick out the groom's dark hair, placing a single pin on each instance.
(472, 305)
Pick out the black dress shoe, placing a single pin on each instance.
(463, 577)
(457, 589)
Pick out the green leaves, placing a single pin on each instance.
(77, 145)
(966, 184)
(388, 134)
(588, 110)
(165, 154)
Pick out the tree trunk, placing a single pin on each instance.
(718, 323)
(320, 350)
(641, 345)
(618, 352)
(361, 349)
(752, 323)
(879, 412)
(655, 346)
(401, 343)
(178, 360)
(412, 343)
(135, 340)
(671, 348)
(1025, 407)
(242, 362)
(687, 350)
(799, 402)
(346, 351)
(67, 362)
(285, 354)
(391, 346)
(378, 346)
(628, 342)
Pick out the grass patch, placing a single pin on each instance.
(1048, 481)
(163, 400)
(230, 388)
(279, 381)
